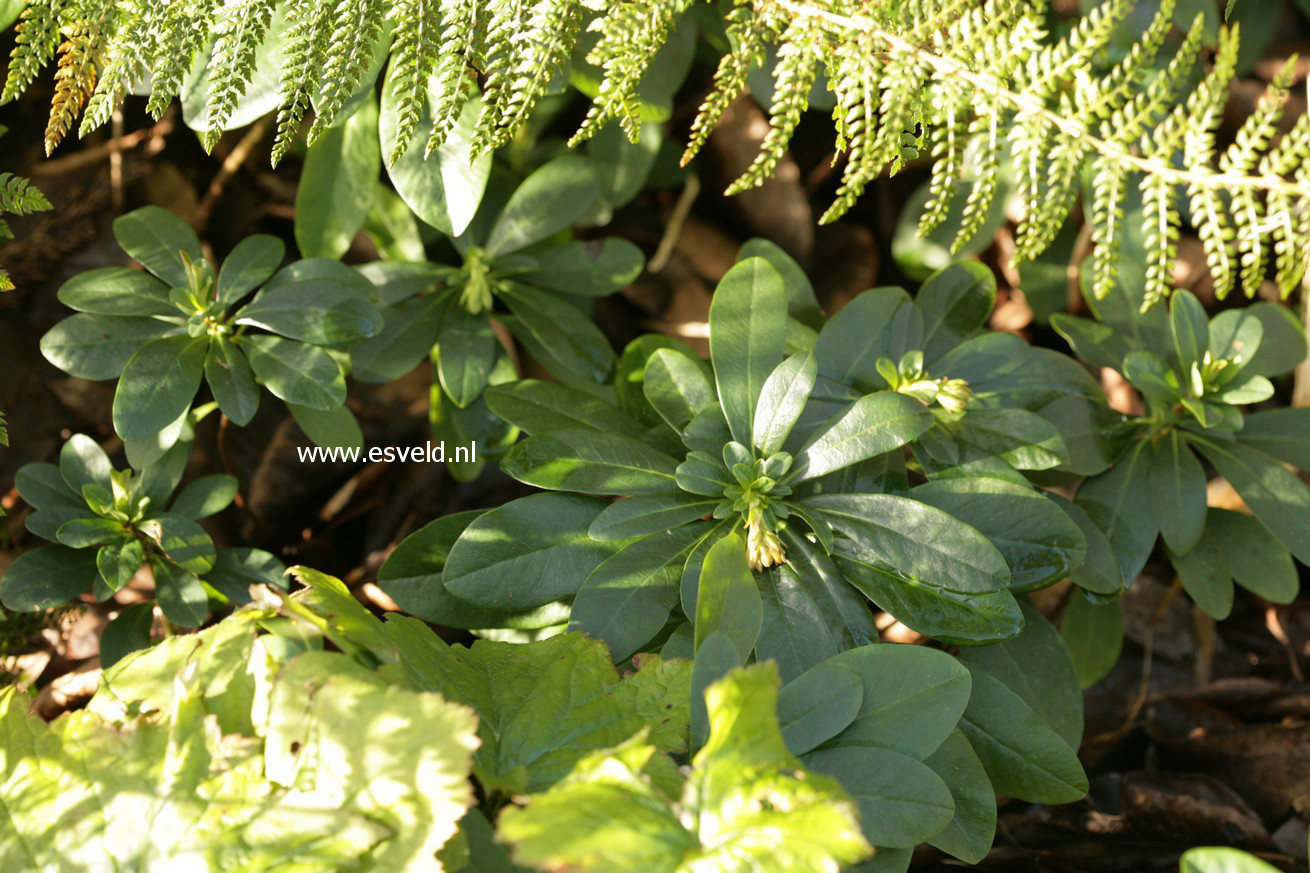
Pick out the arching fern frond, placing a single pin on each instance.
(976, 83)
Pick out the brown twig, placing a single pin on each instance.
(230, 165)
(152, 136)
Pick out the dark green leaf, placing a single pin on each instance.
(1099, 572)
(336, 427)
(78, 533)
(1038, 541)
(782, 398)
(337, 183)
(881, 323)
(1149, 374)
(231, 380)
(527, 552)
(1257, 561)
(716, 656)
(970, 833)
(184, 542)
(727, 600)
(1189, 328)
(547, 202)
(158, 385)
(845, 611)
(589, 462)
(128, 632)
(156, 239)
(818, 705)
(296, 372)
(1037, 667)
(1177, 487)
(444, 188)
(83, 462)
(411, 575)
(1085, 425)
(315, 301)
(248, 266)
(628, 597)
(468, 350)
(540, 407)
(647, 514)
(1101, 344)
(1279, 499)
(119, 561)
(46, 577)
(587, 268)
(874, 424)
(409, 329)
(802, 305)
(911, 540)
(1119, 503)
(567, 342)
(1283, 343)
(677, 387)
(1206, 576)
(235, 570)
(205, 496)
(97, 347)
(1093, 632)
(902, 802)
(117, 291)
(795, 632)
(1236, 333)
(181, 597)
(748, 329)
(1023, 756)
(955, 301)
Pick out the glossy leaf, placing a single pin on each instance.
(337, 184)
(589, 462)
(548, 201)
(158, 385)
(872, 425)
(748, 328)
(781, 401)
(296, 372)
(727, 600)
(157, 239)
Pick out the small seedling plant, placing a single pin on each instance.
(1198, 378)
(108, 524)
(163, 332)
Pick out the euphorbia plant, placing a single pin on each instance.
(107, 524)
(757, 442)
(519, 268)
(162, 333)
(1195, 376)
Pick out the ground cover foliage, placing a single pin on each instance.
(966, 530)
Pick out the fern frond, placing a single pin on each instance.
(748, 31)
(415, 44)
(308, 38)
(241, 29)
(462, 49)
(37, 42)
(183, 29)
(75, 80)
(127, 55)
(1109, 187)
(349, 52)
(539, 48)
(496, 63)
(793, 77)
(631, 32)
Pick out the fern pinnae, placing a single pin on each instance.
(985, 131)
(415, 44)
(1109, 187)
(496, 64)
(36, 43)
(75, 78)
(359, 27)
(747, 32)
(793, 77)
(183, 29)
(312, 25)
(858, 88)
(631, 32)
(540, 48)
(948, 161)
(242, 28)
(461, 21)
(127, 56)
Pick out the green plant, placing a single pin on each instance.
(17, 197)
(110, 523)
(810, 471)
(1195, 376)
(258, 746)
(160, 335)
